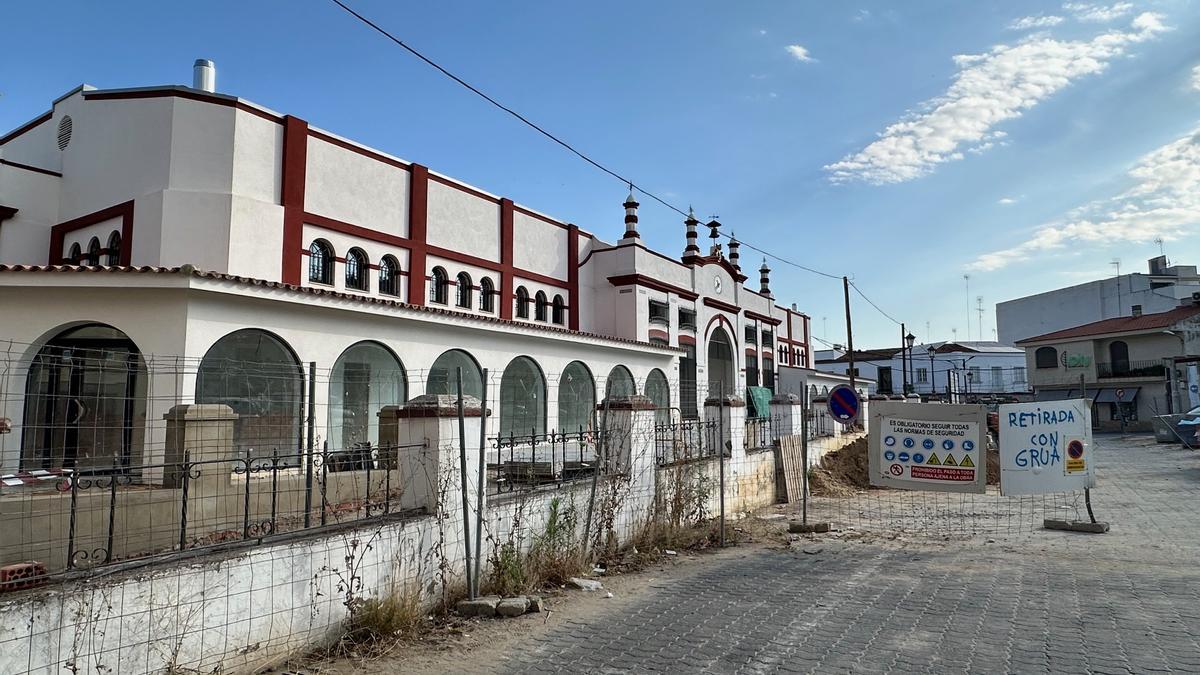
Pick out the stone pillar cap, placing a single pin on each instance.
(729, 401)
(785, 399)
(635, 402)
(200, 411)
(435, 405)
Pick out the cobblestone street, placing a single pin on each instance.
(1029, 602)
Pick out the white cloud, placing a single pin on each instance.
(762, 31)
(862, 15)
(988, 89)
(800, 53)
(1163, 202)
(1098, 13)
(1005, 201)
(1028, 22)
(1196, 78)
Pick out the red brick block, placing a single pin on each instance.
(22, 575)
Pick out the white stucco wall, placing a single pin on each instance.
(539, 246)
(356, 189)
(462, 222)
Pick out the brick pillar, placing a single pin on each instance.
(729, 413)
(431, 473)
(787, 411)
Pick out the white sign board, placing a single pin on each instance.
(921, 446)
(1046, 447)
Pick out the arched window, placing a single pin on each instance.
(463, 291)
(365, 378)
(539, 309)
(522, 399)
(1045, 357)
(576, 398)
(721, 366)
(443, 375)
(85, 401)
(256, 374)
(1118, 357)
(389, 276)
(320, 262)
(522, 303)
(438, 281)
(658, 390)
(75, 254)
(114, 248)
(93, 255)
(487, 295)
(619, 383)
(557, 314)
(357, 270)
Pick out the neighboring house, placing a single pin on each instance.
(1122, 364)
(965, 369)
(1163, 289)
(202, 227)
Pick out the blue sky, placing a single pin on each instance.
(905, 144)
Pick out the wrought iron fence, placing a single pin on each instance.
(686, 440)
(518, 462)
(819, 423)
(1151, 368)
(760, 433)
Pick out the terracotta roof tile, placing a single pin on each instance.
(188, 270)
(1120, 324)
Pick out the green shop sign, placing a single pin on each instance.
(1076, 360)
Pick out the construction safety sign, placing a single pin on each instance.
(928, 446)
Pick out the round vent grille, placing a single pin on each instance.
(64, 132)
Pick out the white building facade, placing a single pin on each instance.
(1164, 288)
(173, 224)
(938, 369)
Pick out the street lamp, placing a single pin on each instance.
(909, 340)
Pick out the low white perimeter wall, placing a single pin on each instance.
(229, 614)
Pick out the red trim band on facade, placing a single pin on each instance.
(763, 318)
(124, 211)
(506, 258)
(573, 276)
(346, 145)
(44, 117)
(35, 169)
(658, 333)
(418, 221)
(751, 352)
(723, 306)
(650, 282)
(183, 92)
(469, 190)
(687, 340)
(291, 193)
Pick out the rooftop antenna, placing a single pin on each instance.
(1159, 241)
(979, 302)
(954, 332)
(967, 281)
(1116, 262)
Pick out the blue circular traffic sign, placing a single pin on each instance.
(889, 441)
(908, 442)
(889, 455)
(948, 444)
(843, 404)
(927, 444)
(918, 458)
(903, 457)
(968, 445)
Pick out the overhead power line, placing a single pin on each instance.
(575, 151)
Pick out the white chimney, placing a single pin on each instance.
(204, 75)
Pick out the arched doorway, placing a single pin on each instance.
(85, 401)
(722, 370)
(257, 375)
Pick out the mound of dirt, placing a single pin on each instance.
(843, 472)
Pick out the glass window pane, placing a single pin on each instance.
(443, 375)
(365, 378)
(522, 399)
(576, 398)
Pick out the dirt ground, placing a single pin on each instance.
(469, 645)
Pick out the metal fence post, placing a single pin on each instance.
(721, 452)
(804, 456)
(462, 463)
(481, 479)
(308, 459)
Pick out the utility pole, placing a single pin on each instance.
(849, 333)
(1117, 263)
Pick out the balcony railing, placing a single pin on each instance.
(1152, 368)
